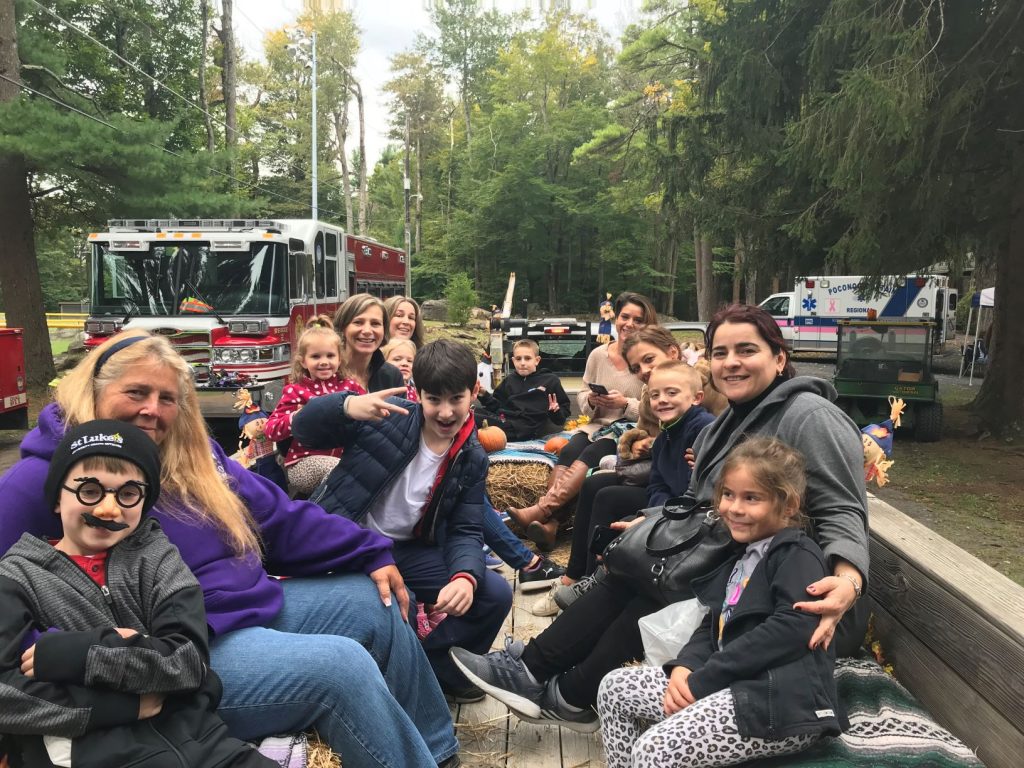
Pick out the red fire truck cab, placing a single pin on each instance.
(232, 295)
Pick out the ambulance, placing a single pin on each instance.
(808, 314)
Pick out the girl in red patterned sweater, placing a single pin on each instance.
(314, 373)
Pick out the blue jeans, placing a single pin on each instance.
(505, 544)
(425, 572)
(335, 659)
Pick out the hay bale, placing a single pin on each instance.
(320, 755)
(516, 484)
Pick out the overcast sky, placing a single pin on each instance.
(387, 27)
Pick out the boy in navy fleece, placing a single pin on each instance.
(415, 473)
(675, 391)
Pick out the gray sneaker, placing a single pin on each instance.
(564, 596)
(503, 675)
(553, 712)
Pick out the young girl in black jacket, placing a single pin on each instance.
(746, 685)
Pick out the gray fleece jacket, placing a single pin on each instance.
(800, 412)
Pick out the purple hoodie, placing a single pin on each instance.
(299, 538)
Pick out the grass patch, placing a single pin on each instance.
(59, 346)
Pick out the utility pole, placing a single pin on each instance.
(408, 236)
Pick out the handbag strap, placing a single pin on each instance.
(710, 518)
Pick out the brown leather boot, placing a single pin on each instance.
(523, 517)
(542, 532)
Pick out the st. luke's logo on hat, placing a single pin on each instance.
(114, 441)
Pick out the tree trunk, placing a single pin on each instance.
(204, 97)
(739, 256)
(341, 131)
(552, 290)
(19, 270)
(750, 284)
(364, 196)
(1000, 402)
(673, 270)
(705, 276)
(228, 73)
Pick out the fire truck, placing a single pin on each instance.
(232, 295)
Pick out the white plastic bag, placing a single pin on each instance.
(666, 632)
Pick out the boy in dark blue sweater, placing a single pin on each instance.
(675, 391)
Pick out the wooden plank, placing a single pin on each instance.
(968, 641)
(954, 630)
(984, 589)
(529, 745)
(953, 702)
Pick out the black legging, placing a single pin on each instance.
(579, 448)
(602, 500)
(599, 632)
(596, 634)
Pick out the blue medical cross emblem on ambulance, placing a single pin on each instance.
(810, 303)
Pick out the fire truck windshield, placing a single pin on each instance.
(165, 280)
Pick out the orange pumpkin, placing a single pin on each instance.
(491, 438)
(555, 444)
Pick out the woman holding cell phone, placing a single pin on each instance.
(610, 393)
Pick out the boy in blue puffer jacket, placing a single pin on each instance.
(415, 472)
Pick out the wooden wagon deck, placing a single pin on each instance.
(493, 737)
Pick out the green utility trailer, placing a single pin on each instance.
(878, 360)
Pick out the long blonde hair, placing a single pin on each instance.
(392, 304)
(188, 470)
(322, 327)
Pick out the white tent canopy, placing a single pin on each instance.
(985, 298)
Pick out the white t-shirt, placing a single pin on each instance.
(398, 509)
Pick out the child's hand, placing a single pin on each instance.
(28, 661)
(552, 403)
(455, 598)
(150, 705)
(642, 448)
(678, 695)
(125, 632)
(374, 406)
(691, 459)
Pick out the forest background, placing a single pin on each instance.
(717, 147)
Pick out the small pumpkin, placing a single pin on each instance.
(491, 438)
(555, 444)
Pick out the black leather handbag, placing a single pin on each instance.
(670, 548)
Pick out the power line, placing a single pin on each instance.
(121, 58)
(180, 156)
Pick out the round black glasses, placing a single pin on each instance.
(91, 492)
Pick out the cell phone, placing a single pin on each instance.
(601, 538)
(598, 389)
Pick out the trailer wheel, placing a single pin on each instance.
(928, 422)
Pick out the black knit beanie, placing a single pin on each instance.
(105, 437)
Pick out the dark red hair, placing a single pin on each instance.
(765, 324)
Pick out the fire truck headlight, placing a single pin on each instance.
(245, 355)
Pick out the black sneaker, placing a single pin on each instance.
(540, 577)
(502, 675)
(468, 694)
(552, 712)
